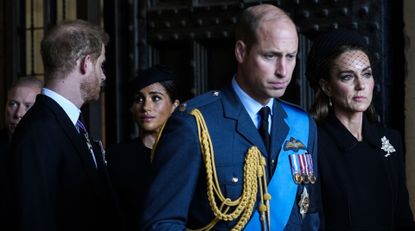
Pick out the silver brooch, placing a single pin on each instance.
(387, 146)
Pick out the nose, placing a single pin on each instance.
(147, 104)
(20, 112)
(360, 83)
(281, 67)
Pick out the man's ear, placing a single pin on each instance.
(83, 64)
(240, 51)
(325, 86)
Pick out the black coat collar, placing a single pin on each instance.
(371, 132)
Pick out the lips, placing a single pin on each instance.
(147, 118)
(278, 85)
(359, 98)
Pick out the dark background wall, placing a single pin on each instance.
(195, 37)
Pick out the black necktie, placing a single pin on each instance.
(263, 125)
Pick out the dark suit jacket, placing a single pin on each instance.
(4, 179)
(177, 197)
(4, 153)
(56, 183)
(363, 188)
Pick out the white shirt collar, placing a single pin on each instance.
(70, 109)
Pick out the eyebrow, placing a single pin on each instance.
(366, 68)
(156, 92)
(278, 53)
(152, 93)
(350, 71)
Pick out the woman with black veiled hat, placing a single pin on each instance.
(360, 162)
(154, 97)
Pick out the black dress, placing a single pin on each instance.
(129, 167)
(363, 185)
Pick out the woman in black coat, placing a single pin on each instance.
(154, 97)
(360, 162)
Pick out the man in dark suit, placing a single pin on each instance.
(59, 175)
(20, 98)
(225, 154)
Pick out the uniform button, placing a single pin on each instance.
(272, 162)
(235, 179)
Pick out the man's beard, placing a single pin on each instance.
(90, 91)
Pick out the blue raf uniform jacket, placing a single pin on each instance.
(177, 198)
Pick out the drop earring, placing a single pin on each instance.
(330, 103)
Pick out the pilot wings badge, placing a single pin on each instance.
(293, 144)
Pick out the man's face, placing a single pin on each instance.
(265, 71)
(91, 86)
(19, 100)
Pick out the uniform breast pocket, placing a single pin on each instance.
(231, 180)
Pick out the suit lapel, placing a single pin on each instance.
(234, 109)
(75, 138)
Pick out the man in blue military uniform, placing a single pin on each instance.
(240, 158)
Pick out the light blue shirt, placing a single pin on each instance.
(70, 109)
(251, 105)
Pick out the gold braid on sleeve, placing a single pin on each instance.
(224, 209)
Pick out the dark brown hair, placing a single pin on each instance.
(68, 41)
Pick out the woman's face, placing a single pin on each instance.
(351, 84)
(152, 107)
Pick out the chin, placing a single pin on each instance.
(277, 94)
(147, 129)
(94, 97)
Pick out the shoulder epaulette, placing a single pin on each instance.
(200, 101)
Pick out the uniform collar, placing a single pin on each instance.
(251, 105)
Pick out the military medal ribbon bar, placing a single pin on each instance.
(295, 168)
(310, 174)
(302, 168)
